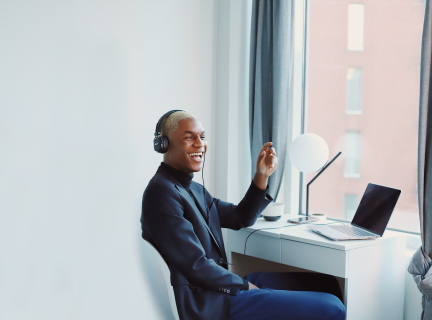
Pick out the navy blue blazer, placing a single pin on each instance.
(193, 250)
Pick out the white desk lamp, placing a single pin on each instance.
(309, 153)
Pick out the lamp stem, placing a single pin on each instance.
(321, 171)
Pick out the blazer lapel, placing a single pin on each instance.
(200, 200)
(200, 197)
(200, 209)
(197, 195)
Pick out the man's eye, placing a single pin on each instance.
(202, 138)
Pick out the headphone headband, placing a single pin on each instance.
(161, 120)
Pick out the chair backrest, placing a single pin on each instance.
(157, 258)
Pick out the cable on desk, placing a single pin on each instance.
(289, 225)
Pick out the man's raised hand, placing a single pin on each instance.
(267, 160)
(266, 165)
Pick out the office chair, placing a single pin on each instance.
(155, 256)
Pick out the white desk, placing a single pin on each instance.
(374, 270)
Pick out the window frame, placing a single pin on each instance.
(290, 177)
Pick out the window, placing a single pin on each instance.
(356, 20)
(380, 81)
(354, 90)
(352, 155)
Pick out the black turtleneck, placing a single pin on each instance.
(184, 178)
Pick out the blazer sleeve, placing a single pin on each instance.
(246, 212)
(176, 240)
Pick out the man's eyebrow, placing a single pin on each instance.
(192, 132)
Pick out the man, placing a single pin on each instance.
(183, 221)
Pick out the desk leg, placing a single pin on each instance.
(376, 281)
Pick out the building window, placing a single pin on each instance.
(352, 154)
(354, 91)
(356, 27)
(350, 206)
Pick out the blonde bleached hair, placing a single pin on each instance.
(170, 123)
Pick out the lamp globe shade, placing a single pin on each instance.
(309, 153)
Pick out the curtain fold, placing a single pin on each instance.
(420, 265)
(270, 80)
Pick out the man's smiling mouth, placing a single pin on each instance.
(196, 155)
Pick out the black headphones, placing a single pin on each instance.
(160, 143)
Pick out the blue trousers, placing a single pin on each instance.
(289, 295)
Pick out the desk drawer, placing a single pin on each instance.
(258, 245)
(314, 258)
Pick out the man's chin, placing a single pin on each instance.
(196, 168)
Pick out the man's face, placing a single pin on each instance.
(187, 146)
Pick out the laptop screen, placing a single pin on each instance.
(376, 207)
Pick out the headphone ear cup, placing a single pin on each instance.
(164, 144)
(160, 144)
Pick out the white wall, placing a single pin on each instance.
(82, 84)
(233, 162)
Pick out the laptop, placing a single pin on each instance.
(370, 219)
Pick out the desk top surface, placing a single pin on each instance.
(300, 233)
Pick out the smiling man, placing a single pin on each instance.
(183, 222)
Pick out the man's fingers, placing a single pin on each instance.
(271, 151)
(272, 160)
(265, 146)
(271, 156)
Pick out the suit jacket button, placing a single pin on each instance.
(221, 261)
(225, 290)
(228, 291)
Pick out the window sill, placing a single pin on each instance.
(413, 241)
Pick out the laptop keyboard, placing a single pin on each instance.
(351, 231)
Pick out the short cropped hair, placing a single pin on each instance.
(170, 124)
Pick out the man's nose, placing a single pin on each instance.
(199, 142)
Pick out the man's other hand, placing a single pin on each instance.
(252, 286)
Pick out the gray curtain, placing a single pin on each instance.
(425, 136)
(270, 74)
(420, 266)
